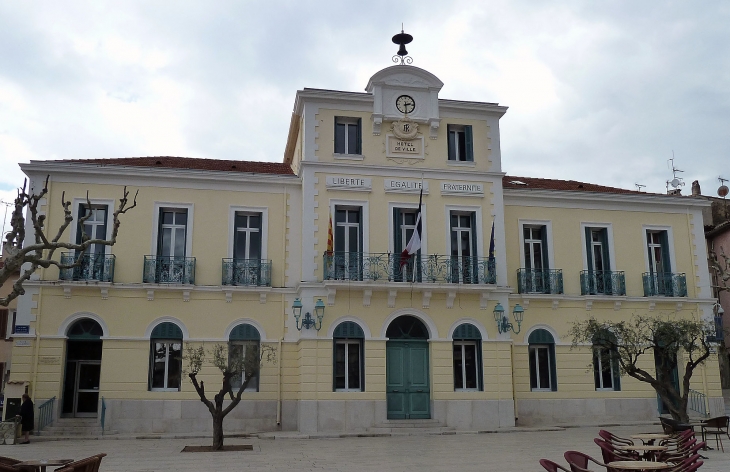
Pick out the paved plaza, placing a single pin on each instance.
(513, 451)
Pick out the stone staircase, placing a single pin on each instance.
(411, 427)
(73, 427)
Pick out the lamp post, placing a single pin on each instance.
(309, 321)
(503, 324)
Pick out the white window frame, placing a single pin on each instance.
(597, 355)
(167, 343)
(156, 225)
(364, 219)
(264, 211)
(347, 121)
(477, 232)
(548, 227)
(456, 129)
(360, 365)
(670, 240)
(537, 367)
(611, 252)
(463, 343)
(249, 388)
(94, 202)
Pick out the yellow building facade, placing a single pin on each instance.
(305, 256)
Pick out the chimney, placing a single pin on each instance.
(696, 189)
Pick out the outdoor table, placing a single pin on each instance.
(647, 450)
(638, 465)
(649, 438)
(43, 464)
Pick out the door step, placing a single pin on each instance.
(408, 427)
(64, 427)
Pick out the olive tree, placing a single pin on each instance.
(39, 253)
(237, 365)
(663, 340)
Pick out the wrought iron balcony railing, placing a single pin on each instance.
(252, 272)
(665, 284)
(98, 267)
(360, 266)
(169, 270)
(602, 282)
(540, 281)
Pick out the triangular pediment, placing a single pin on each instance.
(404, 76)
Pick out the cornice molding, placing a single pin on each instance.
(390, 171)
(577, 199)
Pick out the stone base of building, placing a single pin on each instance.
(576, 411)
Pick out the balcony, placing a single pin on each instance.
(168, 270)
(247, 272)
(602, 282)
(96, 267)
(549, 281)
(358, 266)
(664, 284)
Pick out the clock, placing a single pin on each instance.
(405, 104)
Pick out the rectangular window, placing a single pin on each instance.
(605, 370)
(166, 368)
(463, 247)
(95, 226)
(348, 135)
(657, 243)
(541, 367)
(404, 220)
(461, 146)
(348, 365)
(172, 234)
(246, 352)
(466, 365)
(3, 323)
(247, 238)
(536, 275)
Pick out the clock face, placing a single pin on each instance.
(405, 104)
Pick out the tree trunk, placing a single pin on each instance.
(218, 431)
(724, 360)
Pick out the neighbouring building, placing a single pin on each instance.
(7, 329)
(230, 251)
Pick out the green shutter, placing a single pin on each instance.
(167, 330)
(358, 149)
(541, 336)
(616, 371)
(666, 263)
(159, 233)
(545, 258)
(398, 243)
(244, 332)
(468, 137)
(553, 369)
(450, 143)
(589, 251)
(474, 249)
(467, 332)
(606, 252)
(348, 330)
(334, 136)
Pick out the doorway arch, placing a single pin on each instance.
(408, 386)
(83, 369)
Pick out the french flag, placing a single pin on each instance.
(415, 242)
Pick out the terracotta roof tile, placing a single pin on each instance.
(171, 162)
(532, 183)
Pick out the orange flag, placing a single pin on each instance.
(330, 238)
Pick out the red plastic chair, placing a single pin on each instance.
(613, 439)
(579, 462)
(610, 454)
(684, 465)
(682, 454)
(551, 466)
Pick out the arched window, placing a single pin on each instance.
(166, 357)
(467, 358)
(543, 375)
(244, 344)
(349, 354)
(606, 372)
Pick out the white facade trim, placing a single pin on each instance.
(167, 319)
(601, 201)
(66, 324)
(188, 228)
(430, 325)
(611, 252)
(471, 321)
(548, 227)
(354, 319)
(264, 227)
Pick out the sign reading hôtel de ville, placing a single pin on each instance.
(404, 142)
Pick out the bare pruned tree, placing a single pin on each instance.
(40, 252)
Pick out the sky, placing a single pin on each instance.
(602, 92)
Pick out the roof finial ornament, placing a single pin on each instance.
(402, 58)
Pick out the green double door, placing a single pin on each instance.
(408, 391)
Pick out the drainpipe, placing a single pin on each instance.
(37, 347)
(283, 318)
(512, 369)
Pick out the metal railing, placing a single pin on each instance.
(696, 401)
(252, 272)
(103, 415)
(358, 266)
(92, 267)
(602, 282)
(45, 413)
(665, 284)
(540, 281)
(169, 270)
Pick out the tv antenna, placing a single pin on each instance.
(639, 187)
(676, 182)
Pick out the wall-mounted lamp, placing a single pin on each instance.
(503, 324)
(308, 321)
